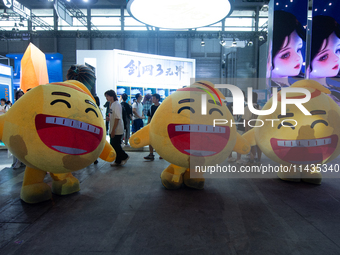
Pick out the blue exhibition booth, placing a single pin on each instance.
(54, 67)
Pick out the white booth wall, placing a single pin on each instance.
(112, 70)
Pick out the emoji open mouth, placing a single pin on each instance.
(304, 151)
(198, 140)
(67, 135)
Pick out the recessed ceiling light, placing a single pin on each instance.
(180, 14)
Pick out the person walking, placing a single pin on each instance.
(138, 116)
(150, 113)
(116, 128)
(127, 110)
(16, 162)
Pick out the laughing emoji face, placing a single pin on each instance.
(302, 139)
(180, 131)
(56, 127)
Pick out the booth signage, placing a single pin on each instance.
(21, 9)
(139, 69)
(4, 91)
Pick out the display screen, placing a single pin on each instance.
(287, 42)
(149, 91)
(123, 89)
(163, 93)
(172, 91)
(324, 62)
(135, 90)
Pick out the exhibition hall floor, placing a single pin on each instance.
(126, 210)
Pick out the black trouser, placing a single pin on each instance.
(116, 144)
(107, 126)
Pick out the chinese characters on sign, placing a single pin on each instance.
(152, 71)
(138, 69)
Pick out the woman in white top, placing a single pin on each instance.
(138, 115)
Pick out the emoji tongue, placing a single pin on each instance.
(67, 135)
(304, 151)
(198, 140)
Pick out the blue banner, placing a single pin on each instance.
(4, 92)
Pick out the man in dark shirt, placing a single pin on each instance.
(107, 107)
(155, 100)
(127, 116)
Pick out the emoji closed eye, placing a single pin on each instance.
(91, 110)
(186, 108)
(286, 124)
(61, 101)
(215, 110)
(91, 103)
(318, 121)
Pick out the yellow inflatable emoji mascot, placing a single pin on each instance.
(297, 139)
(55, 128)
(182, 134)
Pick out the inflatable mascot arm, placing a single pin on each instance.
(55, 128)
(184, 136)
(299, 139)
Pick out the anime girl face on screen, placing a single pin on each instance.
(325, 52)
(288, 37)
